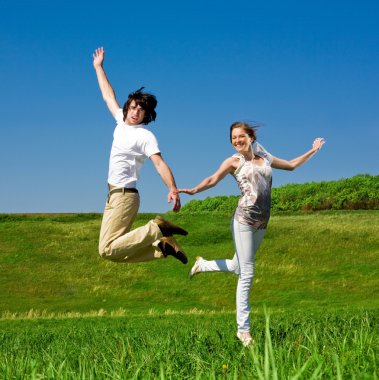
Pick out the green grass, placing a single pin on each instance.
(309, 260)
(296, 346)
(65, 313)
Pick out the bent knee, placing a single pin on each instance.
(103, 255)
(234, 267)
(104, 252)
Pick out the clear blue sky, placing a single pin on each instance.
(302, 69)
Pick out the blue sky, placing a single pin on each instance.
(300, 69)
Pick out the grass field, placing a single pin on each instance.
(182, 346)
(66, 313)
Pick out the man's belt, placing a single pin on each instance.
(122, 190)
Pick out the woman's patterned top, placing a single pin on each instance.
(254, 182)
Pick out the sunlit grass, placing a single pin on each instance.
(325, 258)
(65, 313)
(187, 346)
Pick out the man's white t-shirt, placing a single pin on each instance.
(132, 144)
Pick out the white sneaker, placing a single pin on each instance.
(196, 268)
(245, 338)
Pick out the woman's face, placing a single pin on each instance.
(241, 140)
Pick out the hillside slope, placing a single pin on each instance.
(312, 260)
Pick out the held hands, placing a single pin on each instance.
(318, 143)
(173, 195)
(98, 57)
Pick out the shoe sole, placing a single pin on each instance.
(179, 255)
(179, 230)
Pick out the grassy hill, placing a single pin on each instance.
(65, 313)
(312, 260)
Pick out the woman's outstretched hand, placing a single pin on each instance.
(187, 191)
(318, 143)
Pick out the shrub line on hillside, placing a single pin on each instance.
(360, 192)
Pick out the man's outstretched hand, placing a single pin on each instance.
(98, 57)
(173, 196)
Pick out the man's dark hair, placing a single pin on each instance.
(146, 101)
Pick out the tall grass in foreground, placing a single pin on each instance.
(297, 346)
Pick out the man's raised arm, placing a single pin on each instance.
(105, 87)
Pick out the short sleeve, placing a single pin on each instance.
(119, 116)
(259, 150)
(150, 145)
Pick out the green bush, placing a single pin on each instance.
(360, 192)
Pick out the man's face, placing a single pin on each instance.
(135, 114)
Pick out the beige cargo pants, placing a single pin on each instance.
(117, 242)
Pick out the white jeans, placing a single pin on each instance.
(246, 241)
